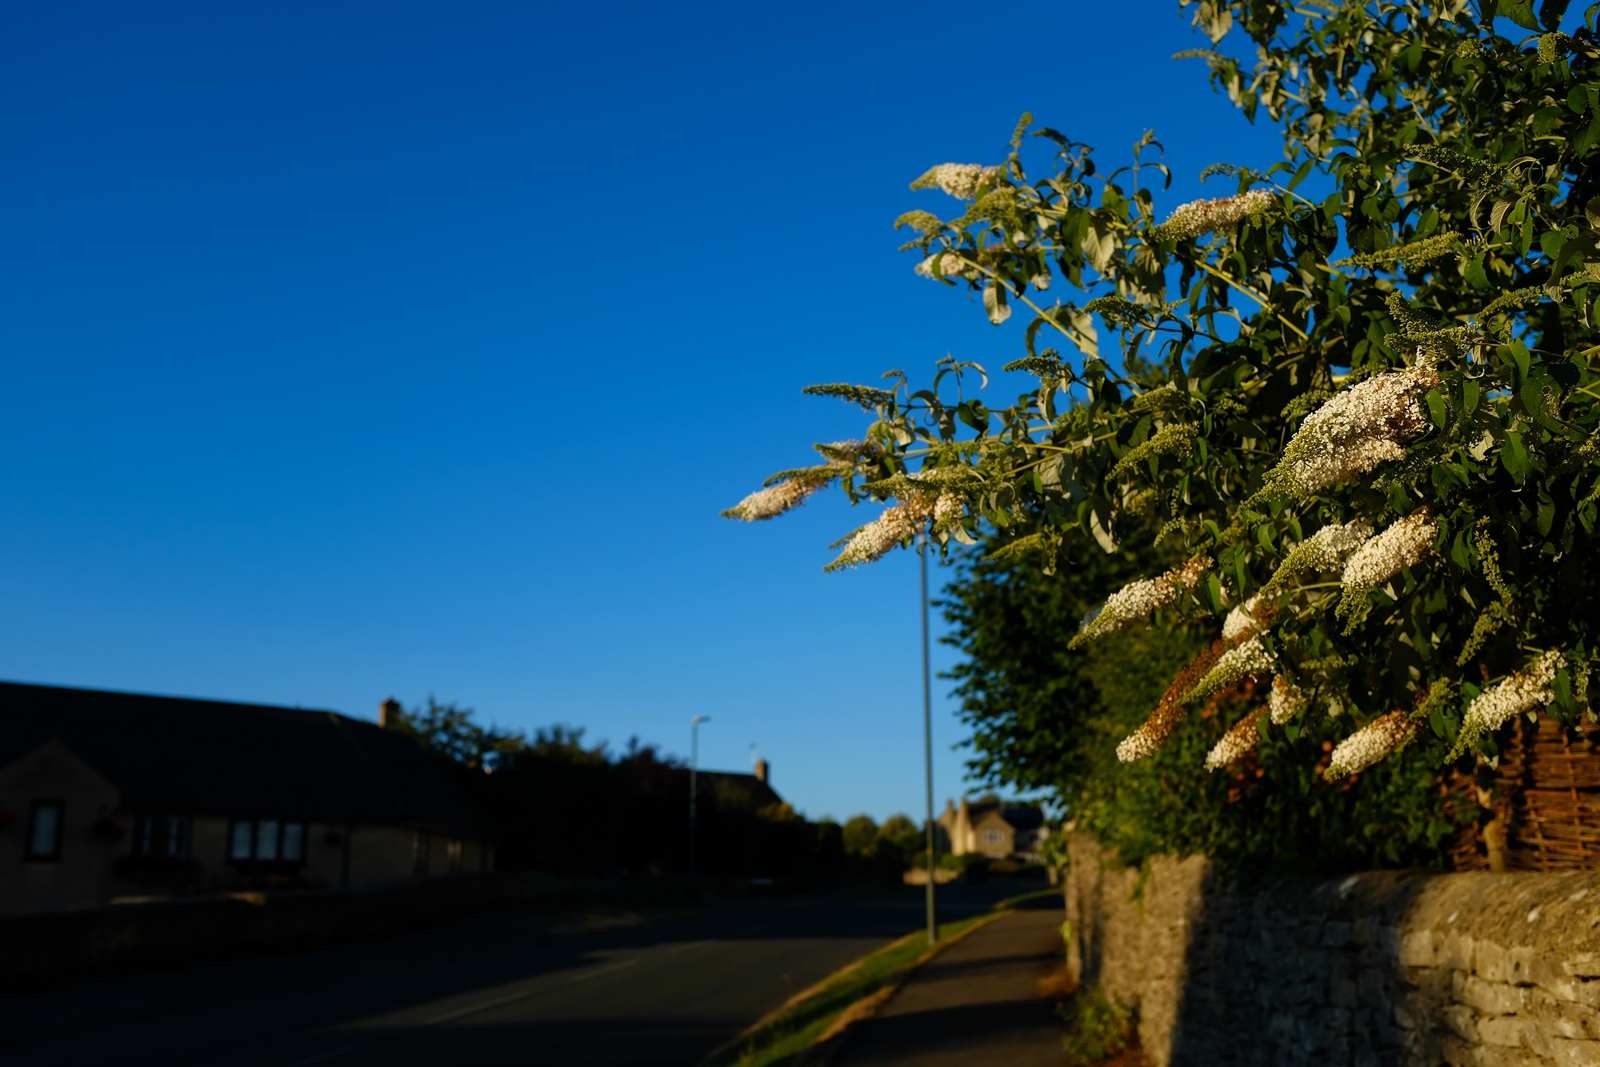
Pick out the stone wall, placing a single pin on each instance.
(1378, 968)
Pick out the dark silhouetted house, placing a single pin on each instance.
(107, 795)
(751, 792)
(994, 829)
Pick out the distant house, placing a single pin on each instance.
(991, 828)
(106, 795)
(752, 792)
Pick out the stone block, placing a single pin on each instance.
(1416, 949)
(1342, 992)
(1418, 1009)
(1493, 998)
(1583, 992)
(1462, 1021)
(1489, 960)
(1458, 1053)
(1422, 1049)
(1364, 931)
(1374, 988)
(1500, 1056)
(1549, 975)
(1455, 950)
(1522, 962)
(1562, 1018)
(1503, 1030)
(1582, 965)
(1534, 1037)
(1570, 1053)
(1335, 934)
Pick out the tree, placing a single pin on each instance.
(1363, 427)
(860, 834)
(564, 805)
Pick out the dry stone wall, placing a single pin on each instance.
(1404, 968)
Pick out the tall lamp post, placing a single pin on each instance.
(694, 769)
(927, 740)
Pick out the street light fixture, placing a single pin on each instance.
(694, 768)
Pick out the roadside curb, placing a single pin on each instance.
(821, 1051)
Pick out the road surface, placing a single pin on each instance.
(493, 989)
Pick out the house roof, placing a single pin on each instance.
(1017, 816)
(170, 755)
(757, 792)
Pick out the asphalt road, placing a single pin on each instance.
(494, 989)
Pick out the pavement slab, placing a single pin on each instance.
(973, 1005)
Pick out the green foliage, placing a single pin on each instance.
(1044, 716)
(860, 834)
(1098, 1026)
(1416, 345)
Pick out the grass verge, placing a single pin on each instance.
(823, 1011)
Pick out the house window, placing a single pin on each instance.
(44, 830)
(242, 845)
(267, 841)
(993, 837)
(161, 836)
(453, 851)
(419, 853)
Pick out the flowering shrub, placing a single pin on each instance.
(1371, 416)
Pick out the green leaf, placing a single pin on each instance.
(1437, 408)
(1520, 12)
(1213, 589)
(1563, 689)
(1476, 276)
(994, 302)
(1515, 457)
(1301, 174)
(1497, 214)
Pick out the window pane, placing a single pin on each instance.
(267, 839)
(46, 830)
(294, 837)
(243, 840)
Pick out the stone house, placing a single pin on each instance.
(991, 828)
(115, 795)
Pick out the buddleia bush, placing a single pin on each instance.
(1352, 437)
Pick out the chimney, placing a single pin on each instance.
(762, 767)
(389, 713)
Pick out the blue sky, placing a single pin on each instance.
(364, 349)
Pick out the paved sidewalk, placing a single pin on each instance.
(973, 1005)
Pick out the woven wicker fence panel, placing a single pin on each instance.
(1549, 796)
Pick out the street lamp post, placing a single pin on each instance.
(927, 741)
(694, 768)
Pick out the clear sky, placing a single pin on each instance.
(364, 349)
